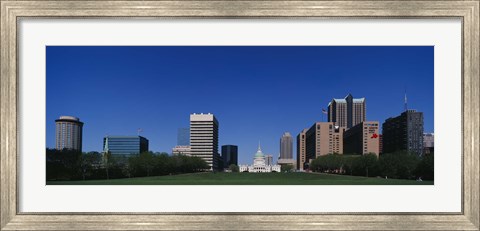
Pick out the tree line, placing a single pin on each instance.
(398, 165)
(74, 165)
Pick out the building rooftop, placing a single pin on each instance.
(124, 137)
(344, 100)
(359, 100)
(69, 118)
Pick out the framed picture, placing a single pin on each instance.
(211, 115)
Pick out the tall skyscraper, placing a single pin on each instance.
(301, 151)
(268, 159)
(404, 132)
(183, 137)
(229, 155)
(68, 133)
(347, 112)
(286, 143)
(323, 138)
(380, 144)
(125, 146)
(286, 151)
(362, 139)
(204, 138)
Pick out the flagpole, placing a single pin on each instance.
(324, 112)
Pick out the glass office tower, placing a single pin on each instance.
(125, 145)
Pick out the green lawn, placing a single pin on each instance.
(247, 179)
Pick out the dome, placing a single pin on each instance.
(259, 152)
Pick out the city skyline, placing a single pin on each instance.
(247, 113)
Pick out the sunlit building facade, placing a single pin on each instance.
(362, 138)
(68, 133)
(301, 149)
(204, 139)
(259, 164)
(347, 112)
(181, 150)
(323, 138)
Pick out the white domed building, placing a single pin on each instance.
(259, 164)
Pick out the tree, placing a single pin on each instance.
(425, 168)
(368, 162)
(71, 165)
(163, 164)
(401, 165)
(199, 164)
(88, 162)
(388, 165)
(335, 163)
(146, 161)
(233, 168)
(331, 163)
(107, 161)
(349, 162)
(63, 164)
(286, 167)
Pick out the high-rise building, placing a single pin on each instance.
(183, 137)
(404, 133)
(347, 112)
(301, 151)
(286, 150)
(286, 143)
(125, 146)
(323, 138)
(68, 133)
(229, 155)
(362, 139)
(269, 159)
(204, 138)
(380, 144)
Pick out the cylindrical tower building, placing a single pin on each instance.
(68, 133)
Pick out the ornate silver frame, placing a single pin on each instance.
(467, 11)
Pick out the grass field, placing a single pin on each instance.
(247, 179)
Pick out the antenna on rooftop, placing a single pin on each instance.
(405, 99)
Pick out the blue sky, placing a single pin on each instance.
(256, 92)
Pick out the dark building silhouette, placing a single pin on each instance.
(229, 155)
(403, 133)
(380, 143)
